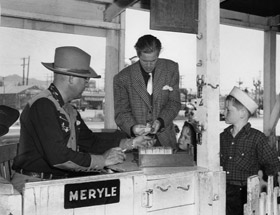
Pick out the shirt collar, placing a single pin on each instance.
(246, 128)
(56, 94)
(144, 73)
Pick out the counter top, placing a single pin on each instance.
(151, 172)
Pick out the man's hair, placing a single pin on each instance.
(236, 103)
(147, 44)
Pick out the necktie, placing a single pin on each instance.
(150, 84)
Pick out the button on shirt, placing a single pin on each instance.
(243, 155)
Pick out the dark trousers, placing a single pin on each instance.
(236, 197)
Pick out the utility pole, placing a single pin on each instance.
(27, 76)
(23, 71)
(239, 83)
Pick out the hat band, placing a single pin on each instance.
(80, 71)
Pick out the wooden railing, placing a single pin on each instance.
(261, 203)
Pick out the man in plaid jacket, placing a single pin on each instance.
(138, 112)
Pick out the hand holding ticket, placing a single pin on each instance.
(141, 129)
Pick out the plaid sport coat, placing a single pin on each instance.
(133, 104)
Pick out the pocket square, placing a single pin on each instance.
(166, 87)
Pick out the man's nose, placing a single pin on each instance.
(150, 64)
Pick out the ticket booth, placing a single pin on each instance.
(197, 190)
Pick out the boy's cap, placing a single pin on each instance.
(244, 99)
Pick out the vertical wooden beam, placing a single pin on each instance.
(269, 77)
(208, 69)
(219, 193)
(112, 68)
(211, 189)
(115, 46)
(122, 40)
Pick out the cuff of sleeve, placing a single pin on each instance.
(127, 144)
(97, 162)
(131, 132)
(161, 123)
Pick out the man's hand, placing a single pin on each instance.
(263, 183)
(155, 127)
(114, 156)
(140, 129)
(143, 141)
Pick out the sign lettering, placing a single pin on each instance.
(91, 193)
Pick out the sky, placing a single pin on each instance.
(241, 51)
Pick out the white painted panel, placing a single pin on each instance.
(184, 210)
(171, 192)
(47, 198)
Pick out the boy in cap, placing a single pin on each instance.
(243, 150)
(54, 139)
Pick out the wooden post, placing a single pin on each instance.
(211, 189)
(122, 41)
(275, 204)
(269, 196)
(115, 42)
(253, 193)
(11, 203)
(112, 68)
(269, 77)
(262, 204)
(208, 72)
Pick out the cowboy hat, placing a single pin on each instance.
(8, 116)
(72, 61)
(244, 99)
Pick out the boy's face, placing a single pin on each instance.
(185, 139)
(232, 114)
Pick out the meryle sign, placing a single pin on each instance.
(91, 193)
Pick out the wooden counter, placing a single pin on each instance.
(154, 191)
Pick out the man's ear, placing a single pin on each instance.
(244, 113)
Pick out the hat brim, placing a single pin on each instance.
(72, 72)
(9, 115)
(3, 130)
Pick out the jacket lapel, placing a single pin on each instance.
(139, 84)
(159, 80)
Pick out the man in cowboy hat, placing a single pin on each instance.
(243, 150)
(8, 116)
(54, 139)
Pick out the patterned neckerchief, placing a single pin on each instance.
(56, 94)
